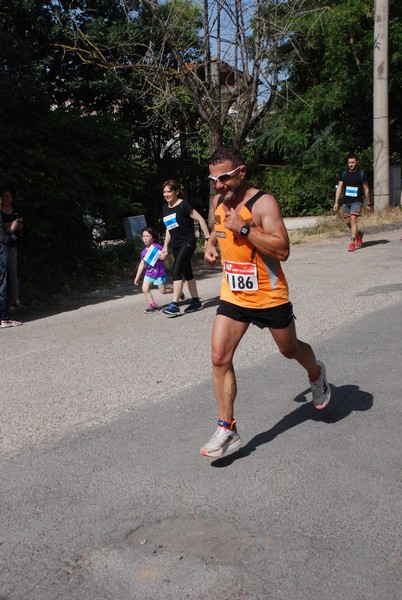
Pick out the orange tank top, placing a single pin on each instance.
(250, 278)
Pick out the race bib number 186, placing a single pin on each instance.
(241, 277)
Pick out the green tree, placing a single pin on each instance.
(324, 108)
(60, 143)
(218, 64)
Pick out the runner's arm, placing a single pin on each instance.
(338, 195)
(211, 254)
(165, 249)
(269, 234)
(139, 272)
(367, 194)
(195, 215)
(273, 240)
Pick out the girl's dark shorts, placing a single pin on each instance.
(278, 317)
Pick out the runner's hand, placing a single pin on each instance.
(211, 254)
(233, 221)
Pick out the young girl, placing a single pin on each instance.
(155, 273)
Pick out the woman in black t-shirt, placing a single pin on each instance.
(178, 217)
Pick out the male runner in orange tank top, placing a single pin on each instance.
(253, 241)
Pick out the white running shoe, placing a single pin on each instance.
(320, 389)
(221, 442)
(5, 324)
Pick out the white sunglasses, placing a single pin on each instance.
(225, 176)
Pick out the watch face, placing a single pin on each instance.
(244, 230)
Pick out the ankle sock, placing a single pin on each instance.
(227, 425)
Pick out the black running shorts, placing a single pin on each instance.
(278, 317)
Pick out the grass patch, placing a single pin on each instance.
(334, 225)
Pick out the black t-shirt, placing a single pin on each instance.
(15, 237)
(353, 190)
(179, 223)
(3, 235)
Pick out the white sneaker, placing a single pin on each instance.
(5, 324)
(320, 389)
(221, 442)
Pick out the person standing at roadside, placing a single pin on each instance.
(354, 185)
(10, 215)
(253, 241)
(179, 216)
(5, 320)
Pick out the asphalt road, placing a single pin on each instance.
(104, 494)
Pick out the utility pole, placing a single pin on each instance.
(380, 106)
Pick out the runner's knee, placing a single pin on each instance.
(289, 351)
(220, 358)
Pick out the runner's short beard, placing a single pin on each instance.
(234, 193)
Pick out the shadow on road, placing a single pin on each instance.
(345, 400)
(207, 303)
(74, 300)
(374, 243)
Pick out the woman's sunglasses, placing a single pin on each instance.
(224, 177)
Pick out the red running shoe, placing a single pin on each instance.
(359, 239)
